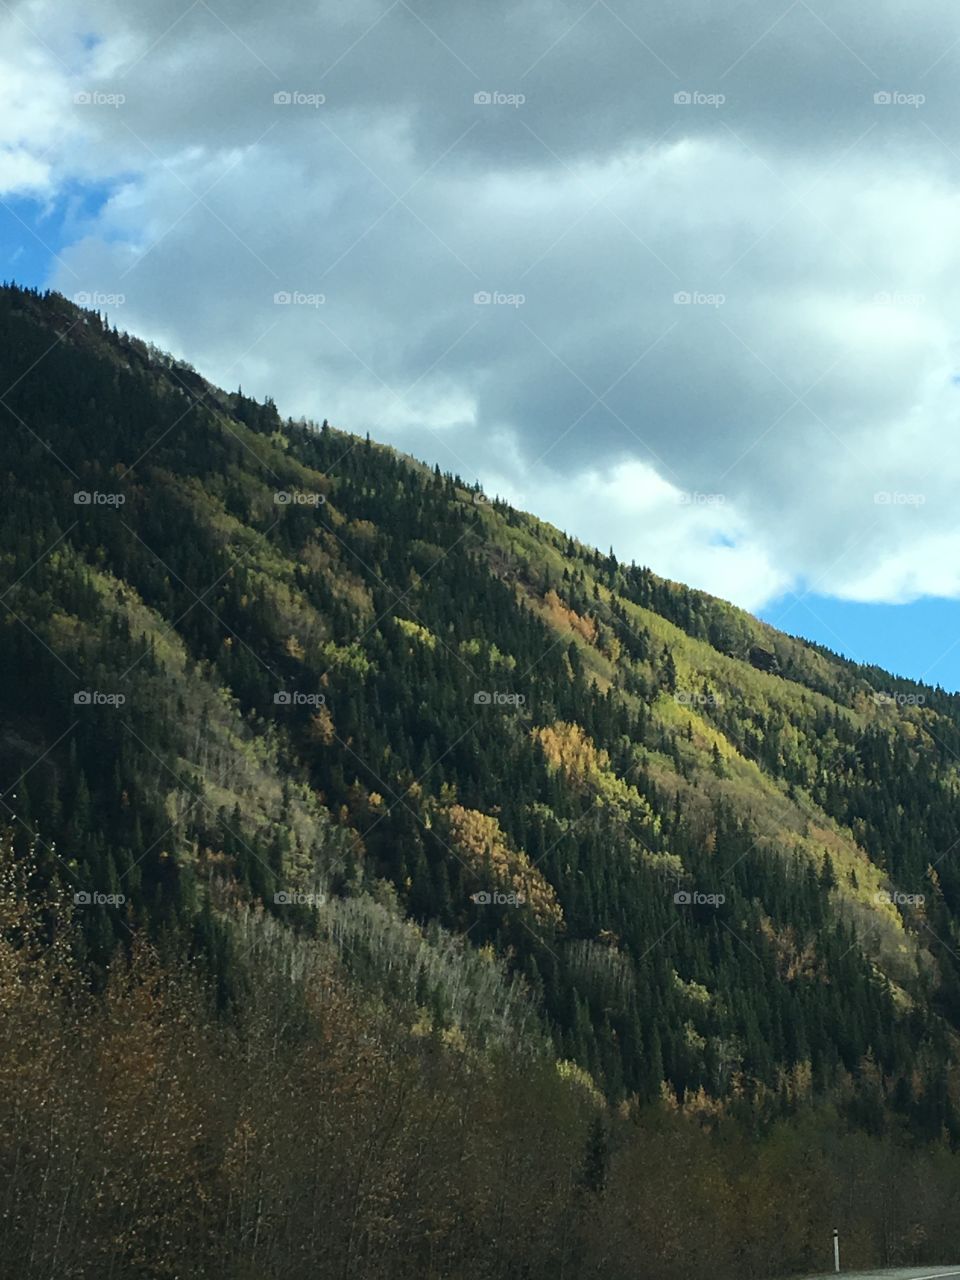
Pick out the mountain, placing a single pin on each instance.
(409, 888)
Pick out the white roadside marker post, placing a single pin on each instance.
(836, 1250)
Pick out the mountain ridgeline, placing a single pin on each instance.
(362, 813)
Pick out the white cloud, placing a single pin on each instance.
(814, 231)
(691, 536)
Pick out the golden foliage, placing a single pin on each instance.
(322, 728)
(562, 617)
(477, 838)
(568, 748)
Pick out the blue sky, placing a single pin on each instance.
(920, 641)
(703, 307)
(35, 230)
(23, 256)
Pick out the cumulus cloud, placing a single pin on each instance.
(683, 282)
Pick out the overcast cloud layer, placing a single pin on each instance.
(720, 244)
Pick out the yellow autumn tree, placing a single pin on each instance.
(479, 841)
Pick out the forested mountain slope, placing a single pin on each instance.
(305, 629)
(259, 669)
